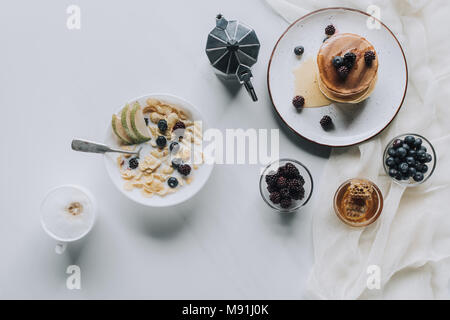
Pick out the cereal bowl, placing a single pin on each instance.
(132, 187)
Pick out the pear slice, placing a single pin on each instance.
(126, 123)
(140, 129)
(119, 131)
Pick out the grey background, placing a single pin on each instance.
(57, 84)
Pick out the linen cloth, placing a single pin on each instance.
(410, 242)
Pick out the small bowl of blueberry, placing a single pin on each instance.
(286, 185)
(409, 159)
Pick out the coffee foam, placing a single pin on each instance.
(61, 222)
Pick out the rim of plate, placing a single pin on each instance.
(175, 202)
(312, 13)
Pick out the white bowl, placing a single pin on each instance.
(201, 175)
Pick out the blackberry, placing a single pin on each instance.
(369, 56)
(179, 125)
(184, 169)
(299, 50)
(162, 125)
(330, 30)
(326, 122)
(285, 203)
(291, 171)
(298, 102)
(343, 72)
(176, 162)
(275, 197)
(172, 182)
(174, 147)
(294, 183)
(271, 179)
(349, 59)
(161, 141)
(298, 193)
(285, 193)
(272, 188)
(133, 163)
(281, 171)
(281, 182)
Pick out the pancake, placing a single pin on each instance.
(361, 80)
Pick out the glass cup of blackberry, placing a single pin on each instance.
(286, 185)
(409, 159)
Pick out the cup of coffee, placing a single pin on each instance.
(68, 213)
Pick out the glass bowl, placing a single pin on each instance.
(369, 216)
(272, 168)
(430, 166)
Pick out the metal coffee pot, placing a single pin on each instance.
(232, 48)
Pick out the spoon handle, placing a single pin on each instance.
(88, 146)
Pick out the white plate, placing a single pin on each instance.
(353, 123)
(186, 192)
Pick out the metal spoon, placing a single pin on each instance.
(88, 146)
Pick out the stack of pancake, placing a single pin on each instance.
(361, 80)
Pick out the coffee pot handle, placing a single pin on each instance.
(245, 78)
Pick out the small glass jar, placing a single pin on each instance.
(358, 202)
(430, 165)
(296, 204)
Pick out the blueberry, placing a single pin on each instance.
(410, 140)
(397, 143)
(428, 157)
(418, 177)
(423, 148)
(401, 152)
(424, 168)
(337, 61)
(176, 162)
(397, 160)
(421, 153)
(393, 172)
(133, 163)
(405, 176)
(174, 147)
(162, 125)
(398, 176)
(412, 153)
(412, 171)
(392, 152)
(299, 50)
(405, 146)
(417, 142)
(172, 182)
(421, 156)
(161, 141)
(146, 121)
(410, 161)
(390, 162)
(403, 167)
(419, 166)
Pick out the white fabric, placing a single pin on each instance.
(411, 240)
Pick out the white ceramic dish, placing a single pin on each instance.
(353, 124)
(186, 192)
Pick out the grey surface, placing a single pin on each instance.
(58, 84)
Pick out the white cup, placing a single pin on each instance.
(65, 226)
